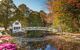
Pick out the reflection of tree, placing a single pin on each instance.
(36, 45)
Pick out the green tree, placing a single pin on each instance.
(21, 15)
(35, 21)
(5, 9)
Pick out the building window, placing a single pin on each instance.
(16, 28)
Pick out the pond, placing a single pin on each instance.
(50, 47)
(40, 46)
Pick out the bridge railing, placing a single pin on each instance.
(40, 28)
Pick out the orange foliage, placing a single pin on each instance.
(75, 3)
(55, 7)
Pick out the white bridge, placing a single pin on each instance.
(40, 29)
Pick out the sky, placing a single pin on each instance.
(35, 5)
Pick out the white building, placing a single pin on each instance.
(16, 27)
(2, 28)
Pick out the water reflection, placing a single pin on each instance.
(41, 46)
(50, 47)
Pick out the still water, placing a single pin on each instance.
(41, 46)
(48, 47)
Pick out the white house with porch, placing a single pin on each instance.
(16, 27)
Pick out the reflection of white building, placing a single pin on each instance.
(16, 27)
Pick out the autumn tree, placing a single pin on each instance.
(66, 14)
(73, 8)
(54, 8)
(43, 16)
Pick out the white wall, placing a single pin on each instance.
(16, 27)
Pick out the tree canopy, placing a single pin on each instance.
(66, 14)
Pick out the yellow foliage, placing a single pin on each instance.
(56, 20)
(55, 8)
